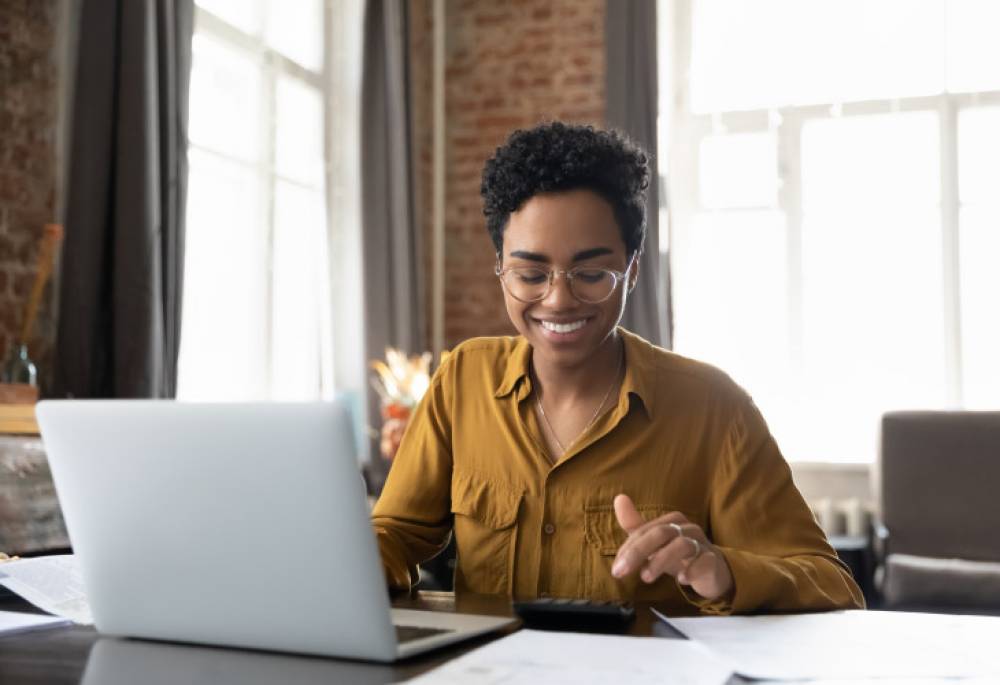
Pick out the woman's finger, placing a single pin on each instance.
(673, 557)
(644, 542)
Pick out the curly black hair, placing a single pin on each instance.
(556, 157)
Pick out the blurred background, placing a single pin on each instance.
(825, 224)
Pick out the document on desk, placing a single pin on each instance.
(851, 644)
(12, 622)
(53, 584)
(537, 656)
(17, 622)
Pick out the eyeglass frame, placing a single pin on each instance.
(620, 277)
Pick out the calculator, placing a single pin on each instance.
(584, 615)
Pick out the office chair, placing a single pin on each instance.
(940, 511)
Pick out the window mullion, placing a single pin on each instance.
(268, 181)
(950, 249)
(789, 135)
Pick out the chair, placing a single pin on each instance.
(940, 511)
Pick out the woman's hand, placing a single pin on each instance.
(669, 544)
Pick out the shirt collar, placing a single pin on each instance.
(517, 368)
(639, 370)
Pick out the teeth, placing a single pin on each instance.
(563, 327)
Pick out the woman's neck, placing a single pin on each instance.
(562, 384)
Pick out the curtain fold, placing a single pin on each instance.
(123, 259)
(631, 89)
(391, 243)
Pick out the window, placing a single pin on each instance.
(257, 309)
(834, 220)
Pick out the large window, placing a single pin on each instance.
(257, 296)
(835, 225)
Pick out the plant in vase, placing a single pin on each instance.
(400, 382)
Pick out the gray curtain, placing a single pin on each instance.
(391, 252)
(119, 323)
(630, 37)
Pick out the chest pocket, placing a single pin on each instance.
(603, 536)
(485, 523)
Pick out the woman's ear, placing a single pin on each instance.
(633, 274)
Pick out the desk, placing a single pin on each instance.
(60, 655)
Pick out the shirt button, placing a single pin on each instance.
(549, 529)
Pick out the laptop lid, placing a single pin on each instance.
(230, 524)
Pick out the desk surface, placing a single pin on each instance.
(61, 655)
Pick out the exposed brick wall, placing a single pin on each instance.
(509, 64)
(28, 121)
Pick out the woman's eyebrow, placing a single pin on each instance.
(531, 256)
(578, 257)
(591, 253)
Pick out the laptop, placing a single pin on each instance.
(243, 525)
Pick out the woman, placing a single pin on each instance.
(577, 459)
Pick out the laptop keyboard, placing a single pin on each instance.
(410, 633)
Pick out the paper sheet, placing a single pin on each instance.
(12, 622)
(53, 584)
(852, 644)
(534, 656)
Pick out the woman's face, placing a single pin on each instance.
(561, 231)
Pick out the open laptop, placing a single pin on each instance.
(231, 524)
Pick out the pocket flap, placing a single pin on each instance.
(491, 504)
(601, 529)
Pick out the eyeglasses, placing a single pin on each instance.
(587, 283)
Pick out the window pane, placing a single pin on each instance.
(868, 162)
(299, 275)
(980, 288)
(731, 301)
(769, 53)
(224, 323)
(243, 14)
(738, 170)
(979, 155)
(299, 135)
(873, 325)
(973, 48)
(979, 170)
(295, 29)
(225, 99)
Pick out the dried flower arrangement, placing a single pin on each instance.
(400, 382)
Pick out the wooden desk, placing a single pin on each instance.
(61, 655)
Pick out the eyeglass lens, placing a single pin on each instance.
(587, 285)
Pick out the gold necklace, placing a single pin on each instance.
(541, 409)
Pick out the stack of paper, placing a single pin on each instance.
(53, 584)
(15, 622)
(532, 656)
(852, 645)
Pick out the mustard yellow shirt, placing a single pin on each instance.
(683, 436)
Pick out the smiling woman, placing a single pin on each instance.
(577, 459)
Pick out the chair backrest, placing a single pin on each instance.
(940, 484)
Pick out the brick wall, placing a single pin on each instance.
(28, 121)
(509, 64)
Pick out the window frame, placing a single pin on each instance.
(682, 132)
(274, 66)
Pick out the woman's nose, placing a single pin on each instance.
(560, 294)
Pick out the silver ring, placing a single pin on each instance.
(697, 549)
(676, 527)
